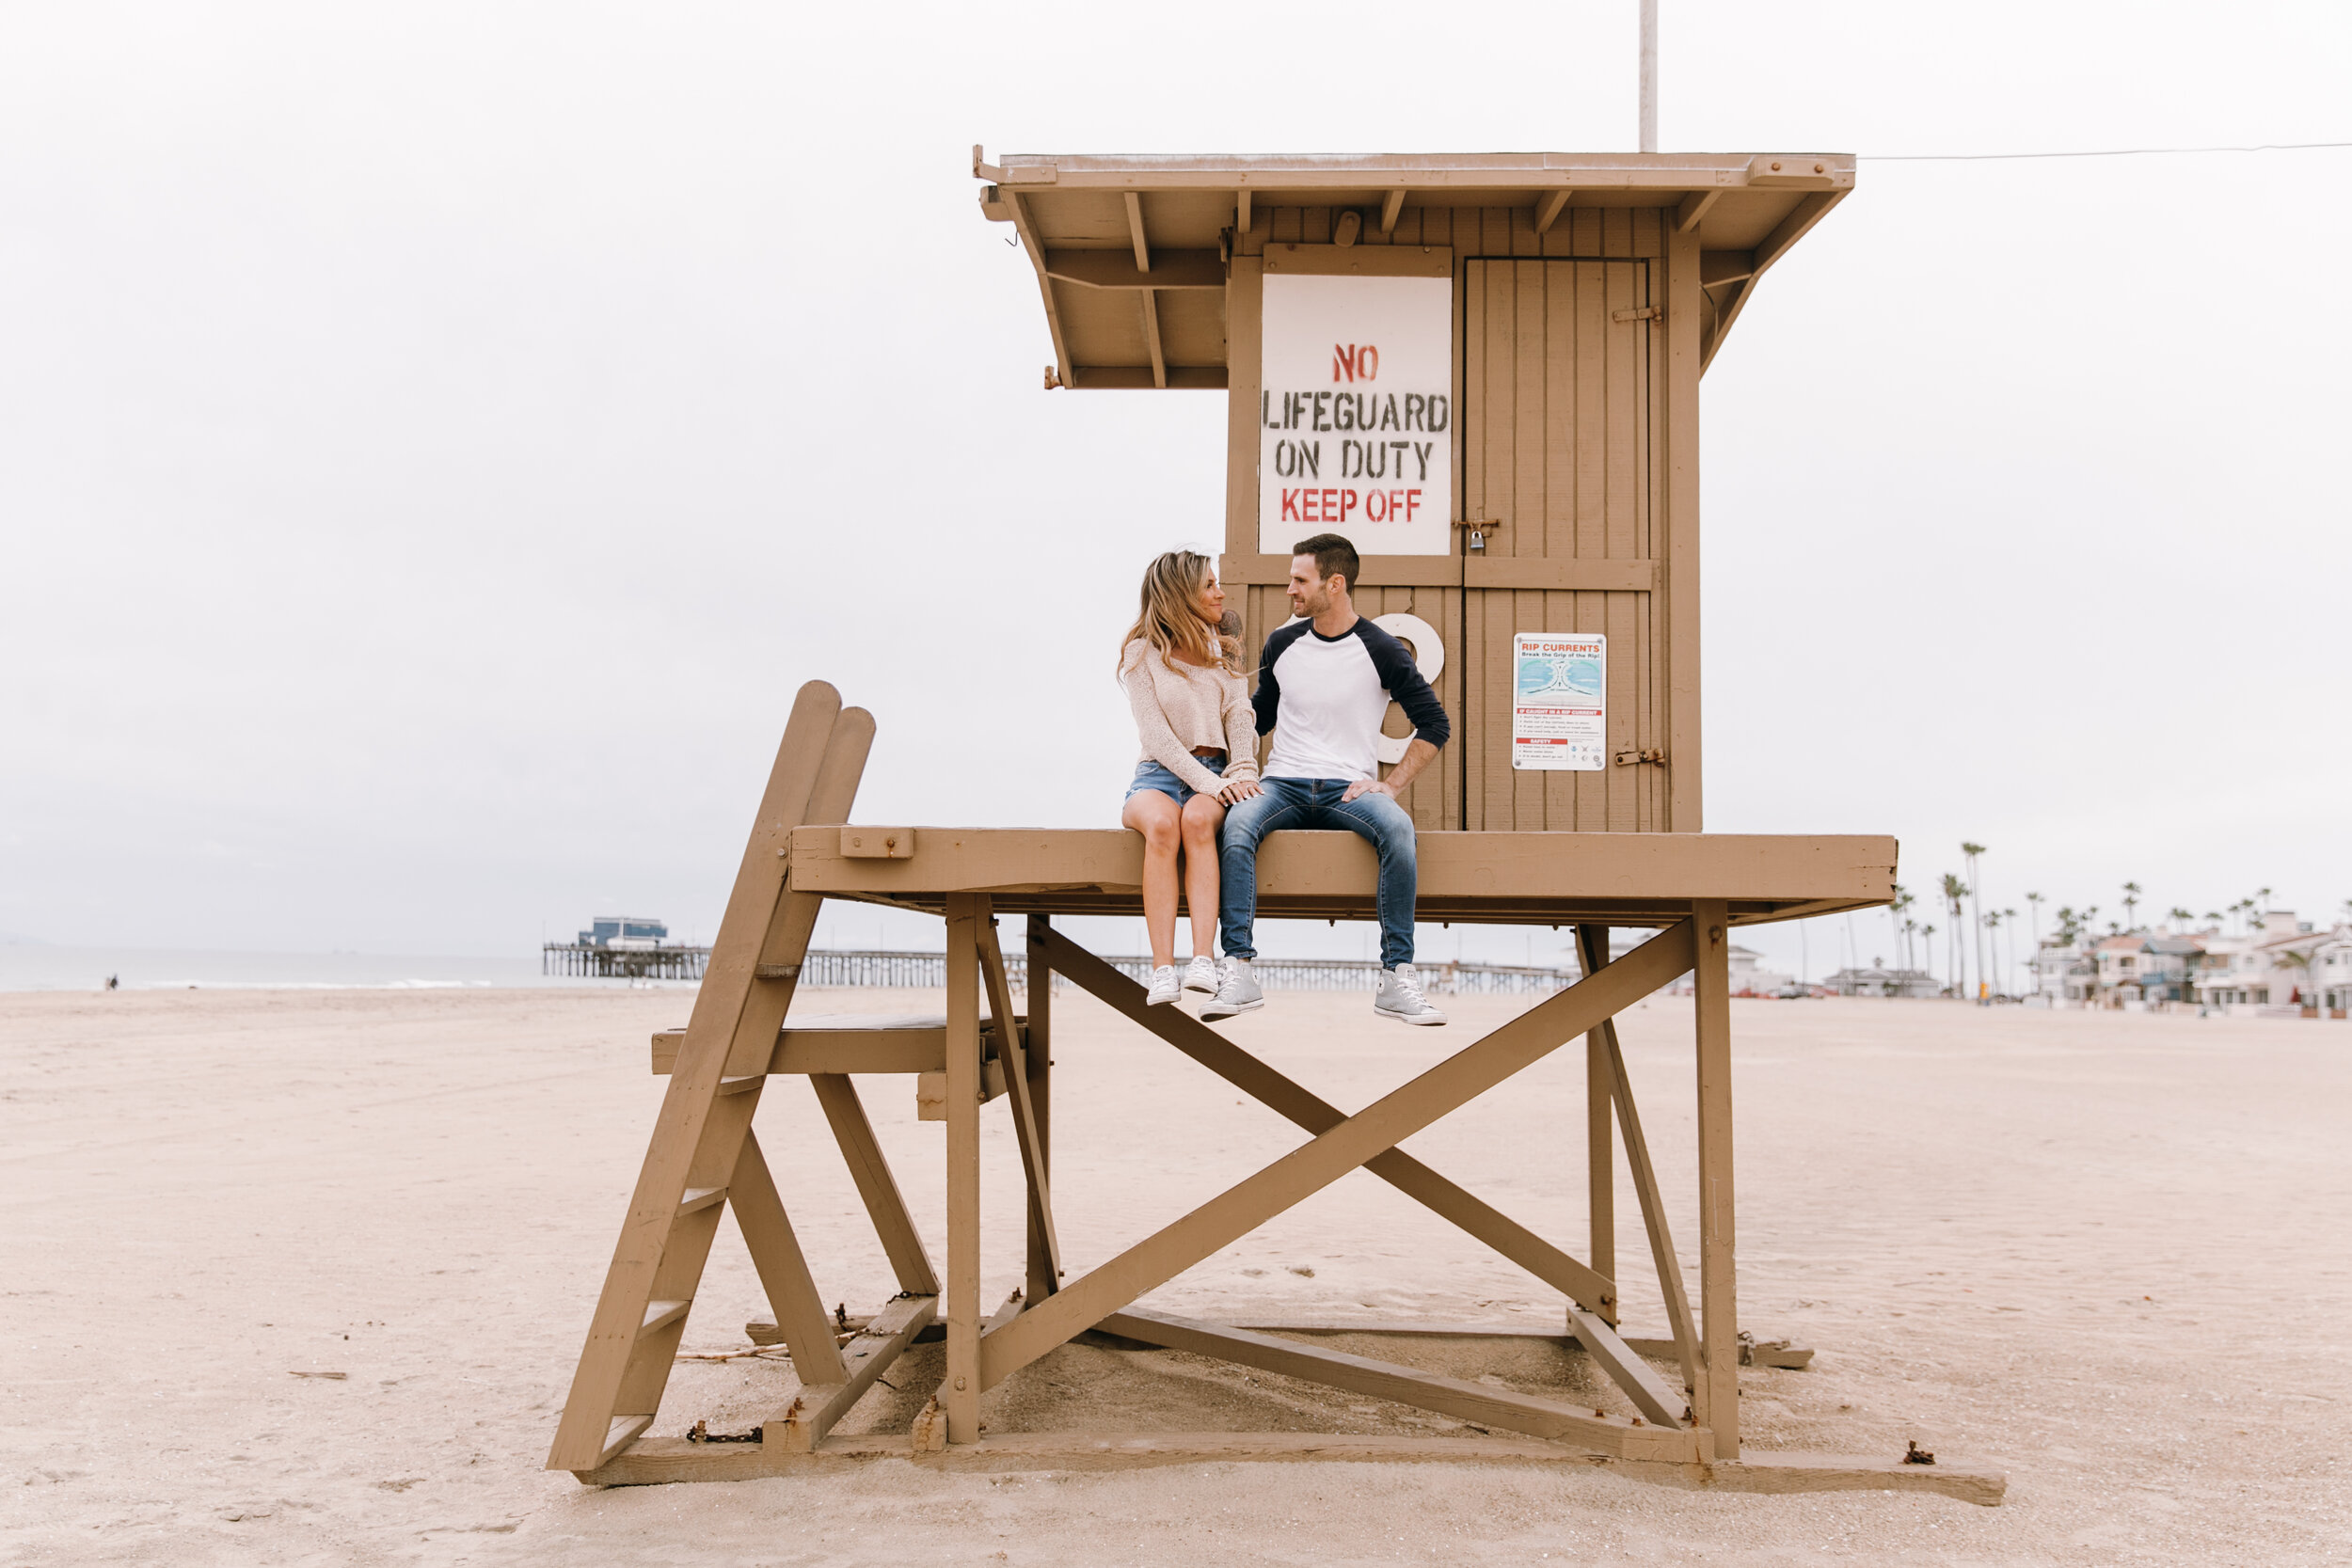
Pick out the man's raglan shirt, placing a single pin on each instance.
(1330, 694)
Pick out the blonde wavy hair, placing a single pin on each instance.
(1168, 621)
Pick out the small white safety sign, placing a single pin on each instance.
(1559, 709)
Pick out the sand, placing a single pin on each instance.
(2107, 1254)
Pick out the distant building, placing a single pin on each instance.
(1875, 981)
(623, 931)
(2064, 976)
(1749, 977)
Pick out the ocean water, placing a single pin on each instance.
(44, 967)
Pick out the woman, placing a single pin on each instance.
(1199, 738)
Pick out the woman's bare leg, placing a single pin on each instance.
(1202, 814)
(1157, 819)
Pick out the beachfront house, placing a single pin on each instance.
(2331, 974)
(1876, 980)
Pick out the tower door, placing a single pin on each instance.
(1558, 410)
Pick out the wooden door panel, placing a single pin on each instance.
(1556, 443)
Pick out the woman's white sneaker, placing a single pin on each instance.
(1400, 998)
(1202, 974)
(1163, 987)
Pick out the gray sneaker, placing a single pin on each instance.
(1238, 995)
(1400, 998)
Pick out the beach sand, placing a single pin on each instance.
(2106, 1253)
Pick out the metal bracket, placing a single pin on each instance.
(1629, 759)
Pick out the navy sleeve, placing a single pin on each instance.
(1268, 699)
(1394, 666)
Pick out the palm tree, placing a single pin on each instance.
(2008, 918)
(2033, 902)
(1992, 934)
(1955, 898)
(1927, 937)
(2131, 903)
(2212, 919)
(1894, 917)
(1975, 902)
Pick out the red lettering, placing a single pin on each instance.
(1368, 361)
(1375, 507)
(1347, 504)
(1412, 503)
(1342, 360)
(1290, 506)
(1330, 499)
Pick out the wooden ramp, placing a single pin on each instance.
(1684, 1424)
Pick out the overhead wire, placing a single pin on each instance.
(2110, 152)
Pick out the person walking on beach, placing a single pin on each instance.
(1184, 681)
(1324, 685)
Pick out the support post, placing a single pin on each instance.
(960, 1394)
(1600, 1163)
(1717, 1397)
(1041, 1280)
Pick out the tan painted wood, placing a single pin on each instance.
(930, 1089)
(845, 1042)
(1390, 206)
(1618, 1090)
(1337, 870)
(882, 844)
(1043, 1273)
(1379, 1127)
(1253, 1077)
(1601, 1144)
(1027, 229)
(1691, 208)
(800, 1317)
(1148, 301)
(1244, 329)
(960, 1393)
(1108, 269)
(1679, 489)
(910, 1260)
(1448, 1396)
(691, 1100)
(1329, 261)
(1134, 231)
(1717, 1400)
(802, 1423)
(660, 1460)
(1015, 1075)
(1548, 210)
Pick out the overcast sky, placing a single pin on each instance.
(436, 440)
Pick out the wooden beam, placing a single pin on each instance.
(1134, 231)
(1716, 1396)
(960, 1393)
(1601, 1144)
(1561, 867)
(1800, 222)
(1470, 1402)
(1391, 205)
(1718, 267)
(802, 1424)
(1110, 269)
(1548, 210)
(1015, 1066)
(1241, 210)
(1253, 1077)
(931, 1088)
(1379, 1127)
(1685, 362)
(1027, 229)
(1694, 207)
(1149, 300)
(801, 1320)
(841, 1042)
(1618, 1090)
(1045, 1268)
(884, 1204)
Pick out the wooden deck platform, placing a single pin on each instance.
(1477, 878)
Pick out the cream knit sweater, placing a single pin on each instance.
(1187, 706)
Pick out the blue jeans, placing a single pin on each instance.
(1316, 804)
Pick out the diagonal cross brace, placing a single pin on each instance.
(1388, 1121)
(1246, 1072)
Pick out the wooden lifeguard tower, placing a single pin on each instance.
(1484, 370)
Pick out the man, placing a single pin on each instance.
(1324, 685)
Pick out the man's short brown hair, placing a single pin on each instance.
(1334, 557)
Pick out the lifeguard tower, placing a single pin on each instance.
(1484, 370)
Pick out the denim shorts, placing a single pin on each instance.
(1152, 775)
